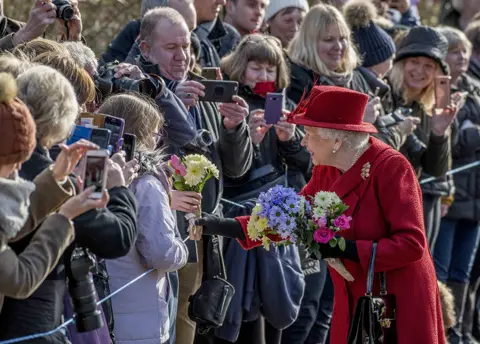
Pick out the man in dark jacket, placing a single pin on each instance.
(108, 233)
(165, 47)
(217, 38)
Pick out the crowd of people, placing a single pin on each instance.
(361, 117)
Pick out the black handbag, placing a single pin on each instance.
(208, 306)
(374, 319)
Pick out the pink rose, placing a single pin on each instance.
(178, 166)
(321, 222)
(342, 222)
(323, 235)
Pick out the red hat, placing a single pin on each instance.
(333, 107)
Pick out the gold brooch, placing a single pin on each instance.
(365, 171)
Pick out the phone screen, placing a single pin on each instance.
(95, 172)
(101, 137)
(129, 146)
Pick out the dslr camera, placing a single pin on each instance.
(107, 84)
(81, 288)
(65, 11)
(200, 143)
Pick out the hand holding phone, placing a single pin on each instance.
(233, 113)
(219, 91)
(116, 126)
(129, 142)
(212, 73)
(442, 91)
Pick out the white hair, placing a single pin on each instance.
(351, 139)
(151, 4)
(52, 102)
(82, 54)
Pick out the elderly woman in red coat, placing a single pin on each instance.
(384, 198)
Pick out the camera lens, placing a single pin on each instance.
(204, 138)
(219, 91)
(66, 12)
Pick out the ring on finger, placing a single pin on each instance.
(188, 95)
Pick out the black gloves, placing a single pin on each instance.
(214, 225)
(350, 252)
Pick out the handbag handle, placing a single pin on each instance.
(371, 274)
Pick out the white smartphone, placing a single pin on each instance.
(95, 171)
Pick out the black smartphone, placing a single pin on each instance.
(115, 125)
(219, 91)
(129, 142)
(273, 108)
(101, 137)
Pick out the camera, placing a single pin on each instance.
(83, 294)
(107, 84)
(200, 143)
(65, 11)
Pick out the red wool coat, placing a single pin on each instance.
(386, 207)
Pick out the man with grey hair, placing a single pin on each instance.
(120, 47)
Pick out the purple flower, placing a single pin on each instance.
(323, 235)
(321, 222)
(342, 222)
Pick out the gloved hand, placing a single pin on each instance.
(350, 252)
(214, 225)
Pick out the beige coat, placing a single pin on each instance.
(21, 275)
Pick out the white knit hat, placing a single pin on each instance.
(276, 6)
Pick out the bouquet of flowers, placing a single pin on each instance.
(191, 173)
(278, 214)
(327, 221)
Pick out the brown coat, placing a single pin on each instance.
(21, 275)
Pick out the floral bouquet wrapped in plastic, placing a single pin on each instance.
(191, 173)
(278, 214)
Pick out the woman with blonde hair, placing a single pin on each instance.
(420, 59)
(322, 53)
(137, 319)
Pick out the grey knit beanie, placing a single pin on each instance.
(276, 6)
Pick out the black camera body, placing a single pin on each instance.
(107, 84)
(81, 288)
(200, 143)
(65, 11)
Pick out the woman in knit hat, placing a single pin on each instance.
(283, 18)
(420, 58)
(25, 204)
(377, 50)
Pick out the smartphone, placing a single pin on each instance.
(129, 142)
(219, 91)
(115, 125)
(95, 172)
(273, 107)
(101, 137)
(442, 92)
(92, 120)
(80, 132)
(211, 73)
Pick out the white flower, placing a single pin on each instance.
(324, 199)
(195, 173)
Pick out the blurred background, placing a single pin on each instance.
(103, 19)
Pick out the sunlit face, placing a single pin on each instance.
(208, 10)
(169, 48)
(247, 15)
(458, 60)
(419, 72)
(332, 47)
(259, 72)
(320, 149)
(286, 23)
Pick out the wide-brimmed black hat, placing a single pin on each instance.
(424, 41)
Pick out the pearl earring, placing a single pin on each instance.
(334, 151)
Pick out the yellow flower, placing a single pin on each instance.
(266, 243)
(261, 224)
(195, 173)
(252, 229)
